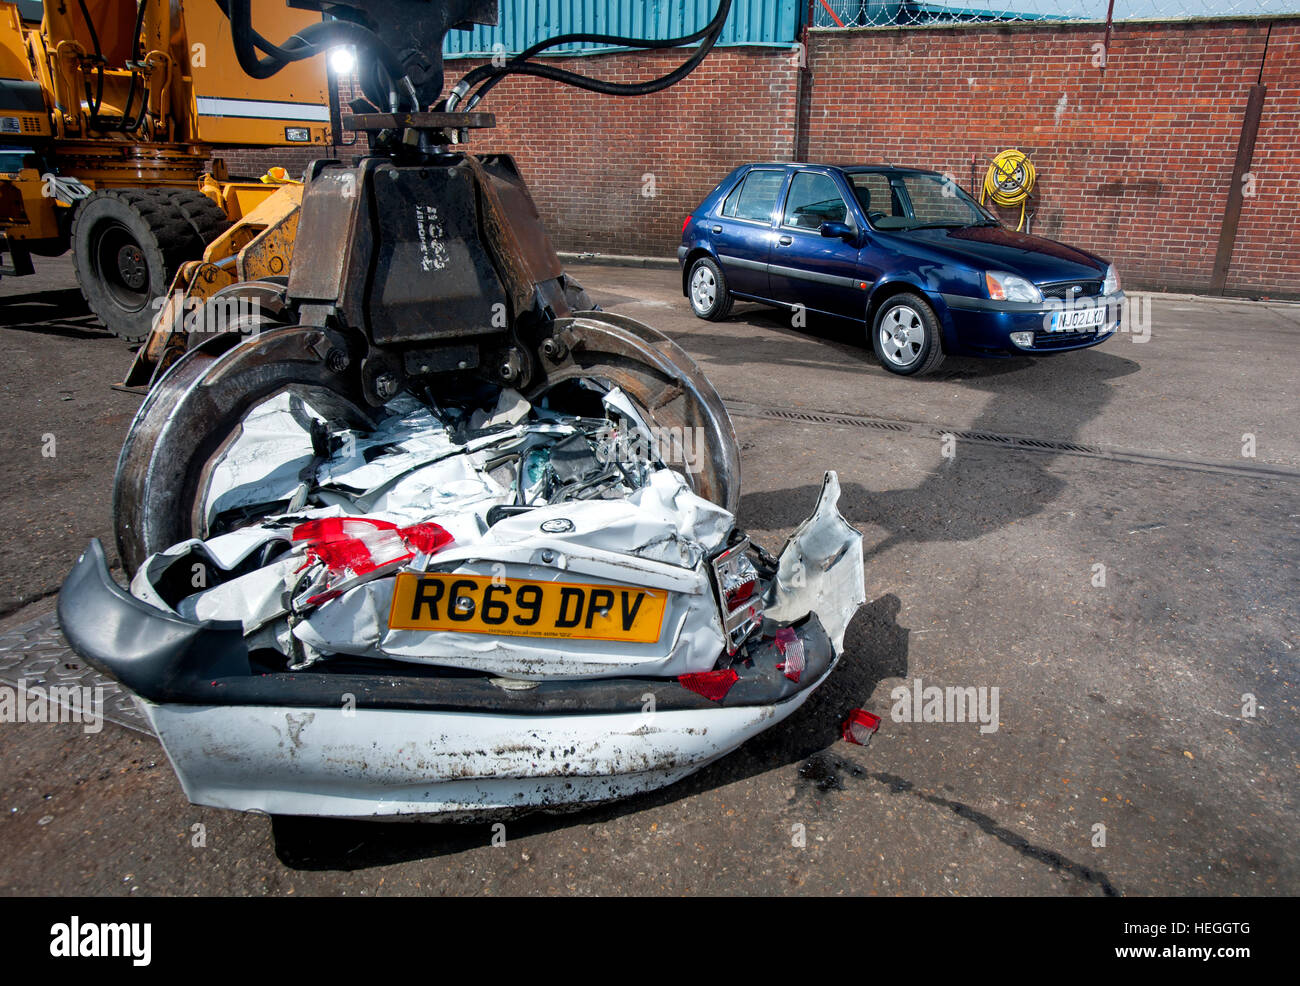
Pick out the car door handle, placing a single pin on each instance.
(786, 240)
(717, 229)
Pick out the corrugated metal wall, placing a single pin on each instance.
(525, 22)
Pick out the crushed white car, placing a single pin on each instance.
(462, 611)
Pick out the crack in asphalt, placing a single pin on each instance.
(13, 605)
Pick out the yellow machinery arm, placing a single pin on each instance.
(110, 111)
(258, 247)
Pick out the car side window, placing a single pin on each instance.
(755, 197)
(875, 195)
(814, 199)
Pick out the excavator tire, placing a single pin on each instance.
(205, 217)
(127, 244)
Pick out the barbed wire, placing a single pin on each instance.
(882, 13)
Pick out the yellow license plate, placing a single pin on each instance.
(519, 608)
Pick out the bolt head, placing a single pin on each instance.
(385, 385)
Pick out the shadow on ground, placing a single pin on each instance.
(61, 312)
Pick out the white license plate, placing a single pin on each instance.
(1078, 319)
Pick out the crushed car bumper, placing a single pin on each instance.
(374, 762)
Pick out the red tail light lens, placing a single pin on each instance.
(740, 594)
(790, 647)
(860, 725)
(360, 545)
(713, 685)
(686, 223)
(425, 538)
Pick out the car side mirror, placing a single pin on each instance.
(841, 231)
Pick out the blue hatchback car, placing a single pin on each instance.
(908, 253)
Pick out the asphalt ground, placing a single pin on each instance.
(988, 495)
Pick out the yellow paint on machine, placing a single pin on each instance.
(522, 608)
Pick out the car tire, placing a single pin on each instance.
(905, 335)
(706, 286)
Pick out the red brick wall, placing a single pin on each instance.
(1267, 255)
(589, 159)
(252, 162)
(1133, 163)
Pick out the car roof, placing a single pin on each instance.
(848, 169)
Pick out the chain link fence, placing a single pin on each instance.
(882, 13)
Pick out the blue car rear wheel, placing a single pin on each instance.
(708, 291)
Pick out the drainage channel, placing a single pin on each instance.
(1012, 443)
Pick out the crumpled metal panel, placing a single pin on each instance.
(653, 532)
(362, 762)
(820, 569)
(408, 469)
(599, 551)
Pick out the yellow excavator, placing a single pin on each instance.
(110, 112)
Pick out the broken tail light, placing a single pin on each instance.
(860, 726)
(360, 545)
(739, 594)
(713, 685)
(790, 647)
(739, 599)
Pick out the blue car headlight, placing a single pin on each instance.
(1011, 287)
(1111, 284)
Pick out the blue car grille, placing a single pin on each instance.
(1065, 289)
(1060, 340)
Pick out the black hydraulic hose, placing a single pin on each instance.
(94, 104)
(491, 75)
(486, 71)
(139, 29)
(612, 88)
(130, 91)
(494, 74)
(311, 40)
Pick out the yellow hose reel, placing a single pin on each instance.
(1009, 181)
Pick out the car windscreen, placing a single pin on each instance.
(935, 201)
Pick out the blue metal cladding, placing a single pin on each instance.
(525, 22)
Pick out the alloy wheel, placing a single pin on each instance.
(704, 289)
(902, 335)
